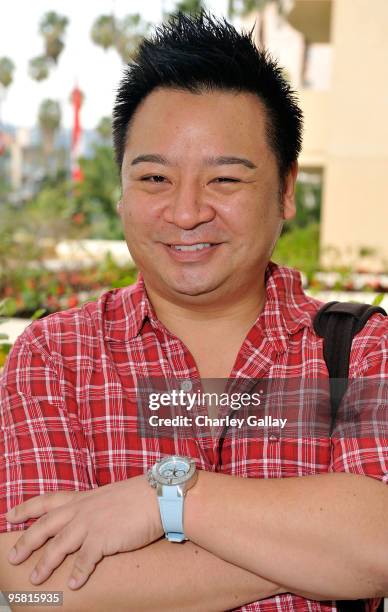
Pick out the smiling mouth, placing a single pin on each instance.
(191, 247)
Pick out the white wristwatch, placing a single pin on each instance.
(172, 477)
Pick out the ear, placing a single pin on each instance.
(119, 207)
(288, 195)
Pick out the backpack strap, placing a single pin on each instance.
(337, 323)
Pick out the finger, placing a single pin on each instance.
(85, 562)
(68, 540)
(37, 534)
(36, 506)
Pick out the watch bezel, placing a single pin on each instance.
(155, 478)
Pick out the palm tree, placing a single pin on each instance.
(49, 117)
(189, 6)
(6, 76)
(6, 71)
(38, 68)
(53, 48)
(52, 27)
(124, 35)
(130, 32)
(104, 31)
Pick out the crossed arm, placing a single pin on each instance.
(161, 576)
(324, 534)
(322, 537)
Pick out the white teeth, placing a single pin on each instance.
(191, 247)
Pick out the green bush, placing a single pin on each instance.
(299, 248)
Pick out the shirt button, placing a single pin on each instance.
(186, 385)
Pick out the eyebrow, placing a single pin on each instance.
(222, 160)
(151, 157)
(210, 161)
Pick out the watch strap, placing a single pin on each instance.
(171, 512)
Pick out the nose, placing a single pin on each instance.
(189, 206)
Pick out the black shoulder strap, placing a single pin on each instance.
(337, 323)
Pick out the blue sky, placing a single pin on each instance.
(97, 72)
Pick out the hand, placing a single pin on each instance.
(118, 517)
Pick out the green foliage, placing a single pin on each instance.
(52, 27)
(53, 48)
(104, 129)
(103, 31)
(5, 183)
(18, 244)
(6, 71)
(2, 308)
(97, 196)
(33, 291)
(38, 68)
(124, 35)
(5, 347)
(378, 299)
(49, 115)
(28, 236)
(130, 32)
(36, 291)
(38, 313)
(308, 204)
(50, 214)
(189, 6)
(299, 248)
(366, 251)
(62, 210)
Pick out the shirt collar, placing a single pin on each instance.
(140, 308)
(284, 311)
(125, 311)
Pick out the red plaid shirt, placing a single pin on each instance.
(69, 416)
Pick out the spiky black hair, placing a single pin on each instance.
(202, 53)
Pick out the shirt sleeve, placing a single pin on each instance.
(360, 440)
(42, 446)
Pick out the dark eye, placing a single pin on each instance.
(226, 179)
(153, 179)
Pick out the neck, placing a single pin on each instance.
(241, 307)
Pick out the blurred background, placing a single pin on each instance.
(60, 62)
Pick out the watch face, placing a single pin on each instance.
(174, 470)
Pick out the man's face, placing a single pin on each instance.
(201, 204)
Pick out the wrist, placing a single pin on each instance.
(172, 477)
(196, 504)
(151, 503)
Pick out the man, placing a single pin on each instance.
(207, 134)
